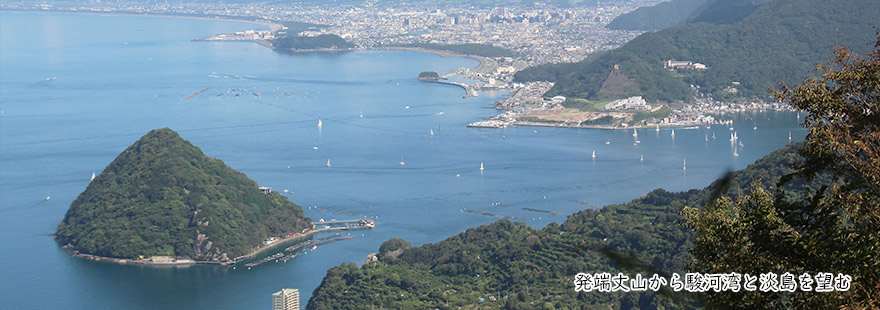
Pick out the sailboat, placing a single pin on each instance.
(93, 177)
(673, 133)
(642, 158)
(684, 165)
(432, 132)
(328, 162)
(635, 133)
(734, 136)
(731, 138)
(320, 124)
(594, 154)
(707, 137)
(362, 114)
(713, 136)
(735, 154)
(789, 136)
(481, 166)
(657, 129)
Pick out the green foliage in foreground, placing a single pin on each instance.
(161, 193)
(324, 41)
(834, 229)
(521, 267)
(468, 49)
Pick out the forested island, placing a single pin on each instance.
(429, 76)
(163, 197)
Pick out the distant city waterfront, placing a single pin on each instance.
(78, 89)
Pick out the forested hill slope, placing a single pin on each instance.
(163, 196)
(660, 16)
(781, 40)
(515, 266)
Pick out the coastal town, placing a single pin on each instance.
(542, 33)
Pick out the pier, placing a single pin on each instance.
(344, 225)
(310, 245)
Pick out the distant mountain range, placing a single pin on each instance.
(747, 45)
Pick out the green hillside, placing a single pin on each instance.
(163, 196)
(660, 16)
(515, 266)
(778, 41)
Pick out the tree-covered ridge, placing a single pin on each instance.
(323, 41)
(163, 196)
(660, 16)
(778, 41)
(535, 268)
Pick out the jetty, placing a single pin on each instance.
(311, 245)
(542, 211)
(264, 260)
(344, 225)
(498, 215)
(316, 228)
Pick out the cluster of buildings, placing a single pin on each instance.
(631, 103)
(541, 32)
(687, 65)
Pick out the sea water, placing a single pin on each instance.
(76, 90)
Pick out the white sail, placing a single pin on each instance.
(93, 177)
(789, 136)
(594, 154)
(328, 162)
(684, 165)
(481, 166)
(657, 129)
(432, 132)
(635, 133)
(673, 133)
(642, 158)
(320, 124)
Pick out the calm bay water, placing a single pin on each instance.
(76, 90)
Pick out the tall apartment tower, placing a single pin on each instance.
(286, 299)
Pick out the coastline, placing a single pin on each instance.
(272, 25)
(181, 261)
(481, 59)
